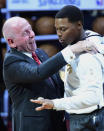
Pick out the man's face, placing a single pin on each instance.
(67, 32)
(24, 37)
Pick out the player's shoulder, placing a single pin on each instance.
(87, 57)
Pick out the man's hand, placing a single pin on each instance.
(84, 45)
(89, 46)
(46, 103)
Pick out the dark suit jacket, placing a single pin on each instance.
(25, 79)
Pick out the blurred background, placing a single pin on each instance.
(40, 14)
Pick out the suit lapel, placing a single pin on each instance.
(40, 55)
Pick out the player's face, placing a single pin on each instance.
(67, 32)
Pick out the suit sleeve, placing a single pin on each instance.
(20, 71)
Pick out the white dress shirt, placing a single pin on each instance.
(83, 83)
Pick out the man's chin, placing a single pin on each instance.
(64, 44)
(30, 49)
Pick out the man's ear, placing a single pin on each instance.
(79, 23)
(11, 43)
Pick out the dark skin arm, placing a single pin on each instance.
(45, 103)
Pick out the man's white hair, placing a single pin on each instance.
(8, 26)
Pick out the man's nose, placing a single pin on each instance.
(59, 33)
(32, 34)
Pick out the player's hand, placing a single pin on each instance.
(45, 103)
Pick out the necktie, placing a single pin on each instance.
(35, 57)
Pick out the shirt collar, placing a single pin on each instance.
(28, 54)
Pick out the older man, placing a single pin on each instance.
(26, 78)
